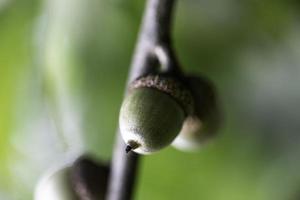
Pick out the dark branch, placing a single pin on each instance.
(154, 35)
(154, 45)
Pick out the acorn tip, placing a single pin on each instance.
(128, 149)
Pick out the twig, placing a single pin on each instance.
(154, 45)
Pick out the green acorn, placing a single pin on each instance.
(153, 112)
(203, 124)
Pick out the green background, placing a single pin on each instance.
(63, 68)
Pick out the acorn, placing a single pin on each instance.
(201, 126)
(84, 179)
(56, 185)
(89, 178)
(153, 112)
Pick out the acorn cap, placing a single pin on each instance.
(169, 85)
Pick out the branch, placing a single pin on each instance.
(154, 45)
(154, 35)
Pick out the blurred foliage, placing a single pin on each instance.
(63, 67)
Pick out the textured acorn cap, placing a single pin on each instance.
(150, 119)
(169, 85)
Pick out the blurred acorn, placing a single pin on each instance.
(203, 124)
(153, 112)
(56, 185)
(89, 178)
(83, 180)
